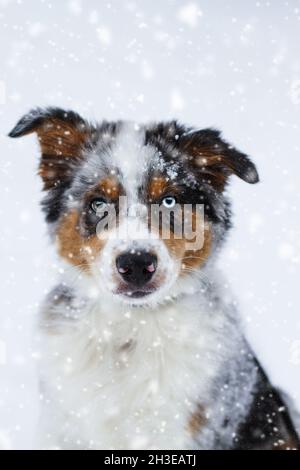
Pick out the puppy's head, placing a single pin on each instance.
(136, 208)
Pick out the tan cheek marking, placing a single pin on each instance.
(196, 421)
(195, 258)
(175, 247)
(73, 247)
(190, 258)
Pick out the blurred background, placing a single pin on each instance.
(225, 63)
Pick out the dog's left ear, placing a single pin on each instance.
(62, 137)
(215, 158)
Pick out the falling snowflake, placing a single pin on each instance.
(2, 353)
(147, 70)
(2, 92)
(5, 442)
(177, 101)
(36, 29)
(189, 14)
(295, 353)
(288, 252)
(104, 35)
(75, 7)
(294, 92)
(93, 17)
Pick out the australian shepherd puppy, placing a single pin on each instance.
(142, 346)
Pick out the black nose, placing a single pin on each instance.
(136, 268)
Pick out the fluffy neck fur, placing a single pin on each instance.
(132, 377)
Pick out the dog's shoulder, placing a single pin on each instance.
(61, 305)
(268, 425)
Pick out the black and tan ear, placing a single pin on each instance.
(211, 155)
(62, 137)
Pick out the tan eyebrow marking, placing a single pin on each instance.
(158, 186)
(110, 187)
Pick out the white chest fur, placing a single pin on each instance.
(118, 378)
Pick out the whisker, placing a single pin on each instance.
(197, 274)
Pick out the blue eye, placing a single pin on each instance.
(169, 202)
(97, 205)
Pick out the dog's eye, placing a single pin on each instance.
(169, 202)
(97, 205)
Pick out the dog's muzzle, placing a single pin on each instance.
(136, 270)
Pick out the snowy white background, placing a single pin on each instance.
(231, 64)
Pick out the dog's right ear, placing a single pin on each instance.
(62, 137)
